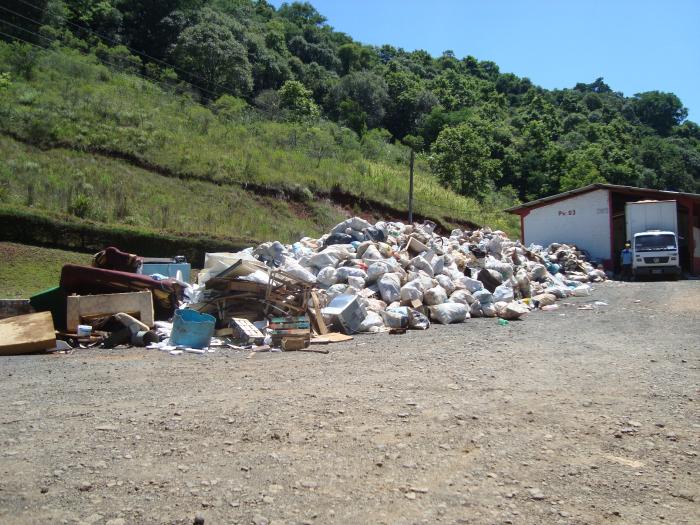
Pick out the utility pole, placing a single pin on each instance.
(410, 191)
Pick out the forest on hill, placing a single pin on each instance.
(478, 130)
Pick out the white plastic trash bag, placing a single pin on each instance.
(346, 271)
(462, 296)
(356, 282)
(396, 317)
(582, 291)
(390, 287)
(372, 323)
(503, 292)
(448, 313)
(411, 291)
(469, 284)
(292, 267)
(446, 283)
(331, 256)
(436, 295)
(483, 296)
(376, 270)
(327, 276)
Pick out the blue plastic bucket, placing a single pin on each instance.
(192, 329)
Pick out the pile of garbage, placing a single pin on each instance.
(394, 276)
(359, 277)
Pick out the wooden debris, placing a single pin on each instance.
(28, 333)
(332, 337)
(316, 315)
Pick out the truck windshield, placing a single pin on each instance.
(651, 243)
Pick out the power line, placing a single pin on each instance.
(113, 42)
(148, 79)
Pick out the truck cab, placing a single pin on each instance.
(655, 252)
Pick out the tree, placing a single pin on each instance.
(145, 25)
(660, 111)
(461, 159)
(301, 14)
(367, 90)
(298, 101)
(579, 171)
(212, 53)
(352, 116)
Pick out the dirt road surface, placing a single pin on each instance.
(576, 416)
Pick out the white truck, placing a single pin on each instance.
(652, 228)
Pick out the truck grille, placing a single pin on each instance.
(655, 260)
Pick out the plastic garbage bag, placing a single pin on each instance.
(583, 290)
(483, 296)
(489, 309)
(490, 278)
(421, 263)
(396, 317)
(461, 296)
(505, 269)
(417, 321)
(372, 253)
(523, 282)
(475, 309)
(538, 272)
(376, 270)
(544, 299)
(356, 282)
(292, 267)
(390, 287)
(438, 264)
(503, 292)
(446, 283)
(411, 291)
(448, 313)
(338, 289)
(327, 276)
(512, 310)
(355, 224)
(435, 295)
(330, 256)
(372, 323)
(469, 284)
(596, 275)
(346, 271)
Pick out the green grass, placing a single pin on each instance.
(114, 192)
(112, 111)
(26, 270)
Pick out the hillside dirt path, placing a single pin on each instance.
(576, 416)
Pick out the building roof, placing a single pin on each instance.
(630, 190)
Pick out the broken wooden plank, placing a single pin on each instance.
(28, 333)
(316, 314)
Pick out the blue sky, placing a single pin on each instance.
(636, 46)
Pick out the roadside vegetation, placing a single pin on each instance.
(26, 270)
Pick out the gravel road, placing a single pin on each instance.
(576, 416)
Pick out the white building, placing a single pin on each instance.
(593, 218)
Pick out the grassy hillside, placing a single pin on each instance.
(215, 152)
(26, 270)
(112, 191)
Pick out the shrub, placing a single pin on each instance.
(81, 206)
